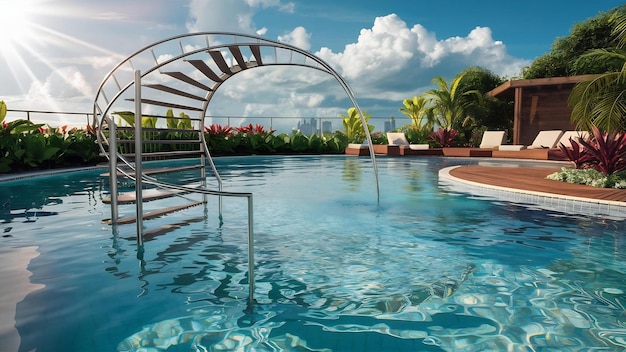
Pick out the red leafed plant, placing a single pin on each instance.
(576, 154)
(217, 130)
(253, 129)
(444, 137)
(607, 151)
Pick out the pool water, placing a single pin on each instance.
(423, 269)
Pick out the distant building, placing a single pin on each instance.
(327, 126)
(390, 125)
(310, 127)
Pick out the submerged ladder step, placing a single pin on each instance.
(147, 195)
(161, 230)
(152, 214)
(159, 141)
(157, 129)
(163, 170)
(179, 153)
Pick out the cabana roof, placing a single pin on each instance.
(507, 89)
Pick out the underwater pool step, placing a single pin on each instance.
(163, 170)
(148, 195)
(150, 234)
(153, 214)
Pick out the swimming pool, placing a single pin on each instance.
(426, 269)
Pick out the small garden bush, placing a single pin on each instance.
(26, 146)
(599, 162)
(590, 177)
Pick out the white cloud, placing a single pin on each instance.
(230, 16)
(391, 61)
(219, 15)
(289, 7)
(63, 83)
(298, 37)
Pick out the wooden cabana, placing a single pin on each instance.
(540, 104)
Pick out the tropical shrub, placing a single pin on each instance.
(443, 137)
(254, 139)
(3, 110)
(353, 126)
(337, 143)
(416, 109)
(590, 177)
(607, 151)
(299, 143)
(219, 139)
(379, 138)
(575, 153)
(418, 136)
(28, 146)
(599, 162)
(316, 143)
(183, 122)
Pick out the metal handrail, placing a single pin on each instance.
(374, 120)
(89, 115)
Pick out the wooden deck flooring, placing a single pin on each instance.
(533, 179)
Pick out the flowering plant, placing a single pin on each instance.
(590, 177)
(217, 130)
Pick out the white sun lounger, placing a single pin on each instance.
(544, 140)
(492, 139)
(398, 138)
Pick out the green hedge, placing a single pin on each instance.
(25, 146)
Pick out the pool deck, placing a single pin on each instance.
(533, 180)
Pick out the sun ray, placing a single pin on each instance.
(82, 43)
(29, 40)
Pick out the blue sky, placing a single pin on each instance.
(54, 53)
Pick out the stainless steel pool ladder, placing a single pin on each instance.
(183, 73)
(134, 171)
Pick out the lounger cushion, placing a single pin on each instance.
(419, 146)
(357, 146)
(546, 139)
(493, 139)
(514, 147)
(397, 138)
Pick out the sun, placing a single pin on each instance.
(16, 22)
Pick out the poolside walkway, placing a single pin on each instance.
(534, 179)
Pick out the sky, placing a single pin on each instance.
(55, 53)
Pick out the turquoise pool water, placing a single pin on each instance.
(426, 269)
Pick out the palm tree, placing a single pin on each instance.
(449, 105)
(601, 101)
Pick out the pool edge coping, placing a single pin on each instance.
(444, 174)
(51, 172)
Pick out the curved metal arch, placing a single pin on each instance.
(238, 40)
